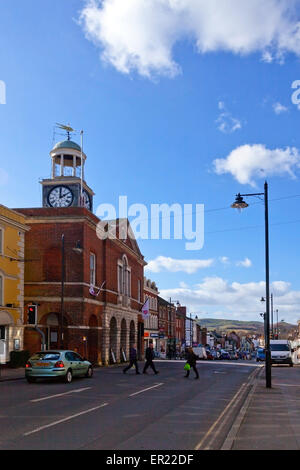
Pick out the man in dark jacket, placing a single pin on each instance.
(132, 360)
(191, 359)
(149, 359)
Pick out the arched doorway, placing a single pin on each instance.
(123, 341)
(92, 340)
(52, 335)
(113, 340)
(51, 326)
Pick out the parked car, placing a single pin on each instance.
(260, 355)
(224, 354)
(200, 351)
(233, 355)
(57, 364)
(209, 355)
(215, 354)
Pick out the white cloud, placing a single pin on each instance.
(190, 266)
(248, 162)
(224, 260)
(279, 108)
(140, 34)
(247, 263)
(236, 300)
(226, 122)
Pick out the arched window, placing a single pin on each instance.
(124, 277)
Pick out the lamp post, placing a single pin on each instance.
(241, 204)
(77, 249)
(61, 336)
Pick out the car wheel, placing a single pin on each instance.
(89, 373)
(30, 380)
(68, 376)
(291, 365)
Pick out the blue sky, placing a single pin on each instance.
(160, 100)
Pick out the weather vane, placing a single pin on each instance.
(67, 128)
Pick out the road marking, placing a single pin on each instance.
(145, 389)
(286, 385)
(64, 419)
(228, 443)
(209, 432)
(79, 390)
(214, 363)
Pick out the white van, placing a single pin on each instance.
(281, 352)
(200, 351)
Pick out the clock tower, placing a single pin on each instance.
(67, 187)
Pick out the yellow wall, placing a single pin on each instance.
(12, 226)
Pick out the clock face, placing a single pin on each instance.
(86, 201)
(60, 196)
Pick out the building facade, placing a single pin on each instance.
(12, 261)
(167, 328)
(180, 329)
(87, 284)
(151, 331)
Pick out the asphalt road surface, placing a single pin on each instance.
(113, 411)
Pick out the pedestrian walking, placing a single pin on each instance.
(132, 360)
(191, 359)
(149, 359)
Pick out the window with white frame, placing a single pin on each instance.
(120, 278)
(124, 277)
(92, 269)
(139, 290)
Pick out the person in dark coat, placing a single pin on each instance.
(191, 359)
(132, 360)
(149, 359)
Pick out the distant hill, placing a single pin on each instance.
(245, 327)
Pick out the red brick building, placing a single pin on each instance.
(101, 325)
(151, 332)
(180, 328)
(167, 327)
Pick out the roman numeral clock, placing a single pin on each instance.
(67, 187)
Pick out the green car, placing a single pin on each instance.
(62, 364)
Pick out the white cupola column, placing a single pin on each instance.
(53, 167)
(74, 165)
(61, 165)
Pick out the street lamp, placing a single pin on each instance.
(241, 204)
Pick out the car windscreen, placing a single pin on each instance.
(279, 347)
(46, 356)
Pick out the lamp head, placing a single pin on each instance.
(239, 203)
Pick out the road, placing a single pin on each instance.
(113, 411)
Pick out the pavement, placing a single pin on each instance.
(271, 417)
(7, 374)
(268, 419)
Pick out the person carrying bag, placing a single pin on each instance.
(191, 363)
